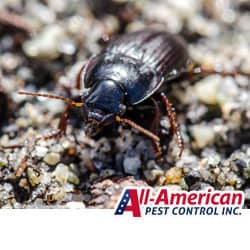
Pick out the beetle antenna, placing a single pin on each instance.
(207, 70)
(68, 101)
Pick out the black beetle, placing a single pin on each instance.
(131, 69)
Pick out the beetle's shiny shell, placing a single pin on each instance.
(161, 51)
(140, 62)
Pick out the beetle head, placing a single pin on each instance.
(103, 102)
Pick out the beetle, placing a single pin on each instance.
(131, 69)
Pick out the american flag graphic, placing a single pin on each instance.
(129, 202)
(123, 203)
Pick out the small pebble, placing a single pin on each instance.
(61, 173)
(73, 178)
(41, 151)
(173, 176)
(54, 194)
(45, 45)
(67, 46)
(207, 89)
(203, 135)
(131, 165)
(52, 158)
(34, 177)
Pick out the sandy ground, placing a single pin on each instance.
(42, 46)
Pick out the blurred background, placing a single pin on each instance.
(44, 43)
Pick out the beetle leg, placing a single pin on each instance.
(152, 136)
(156, 121)
(138, 127)
(22, 167)
(2, 148)
(79, 77)
(64, 117)
(83, 71)
(158, 150)
(61, 127)
(61, 130)
(173, 122)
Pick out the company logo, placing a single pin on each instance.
(145, 201)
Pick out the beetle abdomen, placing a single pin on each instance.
(162, 51)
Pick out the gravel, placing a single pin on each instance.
(52, 158)
(44, 54)
(131, 165)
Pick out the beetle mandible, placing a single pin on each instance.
(131, 69)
